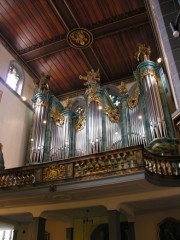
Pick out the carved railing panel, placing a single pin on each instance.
(162, 170)
(116, 162)
(162, 165)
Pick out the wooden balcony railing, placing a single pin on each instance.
(162, 170)
(116, 162)
(159, 170)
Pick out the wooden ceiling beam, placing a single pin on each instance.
(52, 46)
(120, 25)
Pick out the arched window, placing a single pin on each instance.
(15, 77)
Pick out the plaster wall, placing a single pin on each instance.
(15, 116)
(56, 229)
(146, 224)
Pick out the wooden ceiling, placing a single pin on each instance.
(38, 30)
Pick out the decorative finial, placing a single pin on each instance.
(143, 53)
(123, 89)
(91, 78)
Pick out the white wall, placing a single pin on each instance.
(146, 224)
(15, 116)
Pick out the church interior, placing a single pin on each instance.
(89, 120)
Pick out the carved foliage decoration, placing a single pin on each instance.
(57, 116)
(95, 98)
(113, 114)
(79, 38)
(40, 102)
(123, 89)
(80, 122)
(92, 77)
(133, 100)
(149, 72)
(54, 172)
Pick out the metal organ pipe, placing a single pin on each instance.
(95, 128)
(154, 107)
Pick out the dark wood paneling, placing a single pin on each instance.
(37, 30)
(27, 22)
(64, 68)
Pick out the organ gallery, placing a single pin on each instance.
(105, 117)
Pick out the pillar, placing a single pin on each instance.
(69, 233)
(114, 225)
(131, 231)
(15, 234)
(39, 228)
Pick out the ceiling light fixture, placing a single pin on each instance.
(159, 60)
(175, 26)
(87, 220)
(24, 98)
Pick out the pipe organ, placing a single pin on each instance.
(93, 123)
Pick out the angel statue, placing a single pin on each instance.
(43, 84)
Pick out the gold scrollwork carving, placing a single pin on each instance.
(133, 100)
(54, 172)
(147, 72)
(80, 122)
(123, 89)
(95, 98)
(41, 102)
(57, 116)
(91, 91)
(113, 114)
(68, 103)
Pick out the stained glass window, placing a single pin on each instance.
(15, 77)
(115, 100)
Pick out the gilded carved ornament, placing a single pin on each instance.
(68, 103)
(91, 91)
(113, 114)
(143, 53)
(95, 98)
(79, 38)
(40, 102)
(57, 116)
(92, 77)
(53, 172)
(80, 122)
(149, 72)
(123, 89)
(133, 100)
